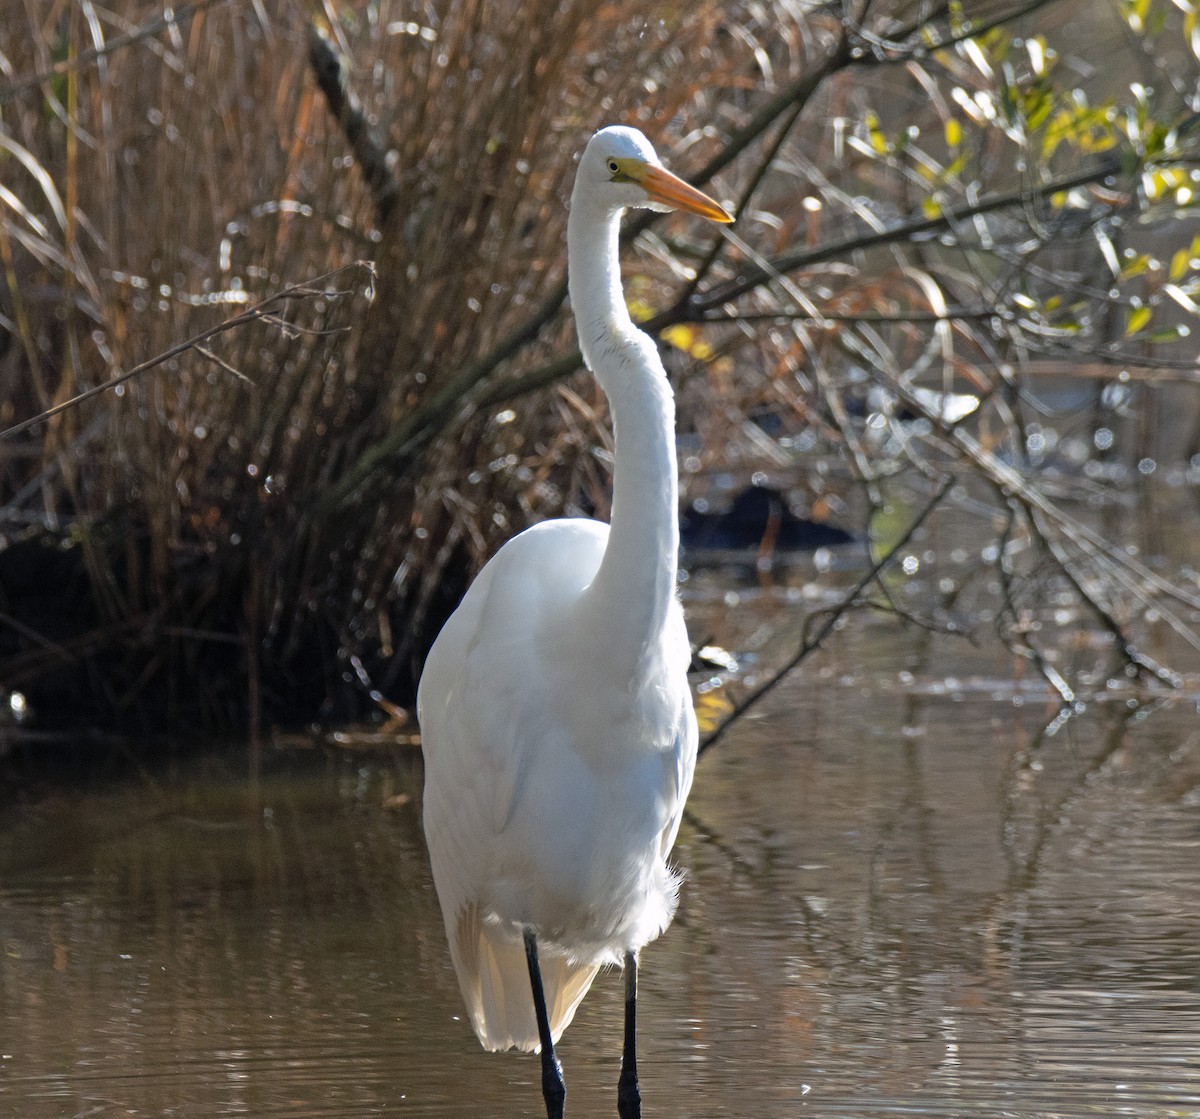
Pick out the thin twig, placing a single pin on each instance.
(902, 231)
(1016, 636)
(898, 49)
(719, 244)
(916, 318)
(848, 601)
(260, 311)
(216, 359)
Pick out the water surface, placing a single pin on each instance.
(902, 898)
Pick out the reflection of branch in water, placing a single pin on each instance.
(743, 867)
(712, 838)
(1023, 868)
(810, 643)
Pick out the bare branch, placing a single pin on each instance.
(810, 643)
(903, 231)
(330, 68)
(310, 289)
(899, 48)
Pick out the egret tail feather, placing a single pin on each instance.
(494, 978)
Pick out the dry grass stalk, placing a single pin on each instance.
(170, 172)
(159, 175)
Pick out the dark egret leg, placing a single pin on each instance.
(554, 1091)
(629, 1098)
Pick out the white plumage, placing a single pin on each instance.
(557, 725)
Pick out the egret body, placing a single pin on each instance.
(556, 721)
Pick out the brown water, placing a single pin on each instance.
(902, 899)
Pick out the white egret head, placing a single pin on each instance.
(620, 170)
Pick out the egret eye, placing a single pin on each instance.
(614, 166)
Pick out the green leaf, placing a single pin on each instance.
(1135, 266)
(1085, 128)
(1036, 105)
(688, 339)
(958, 21)
(879, 142)
(1139, 318)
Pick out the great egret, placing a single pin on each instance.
(558, 730)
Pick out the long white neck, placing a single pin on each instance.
(628, 602)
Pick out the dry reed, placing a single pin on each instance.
(156, 188)
(244, 513)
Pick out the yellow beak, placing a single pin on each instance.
(670, 190)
